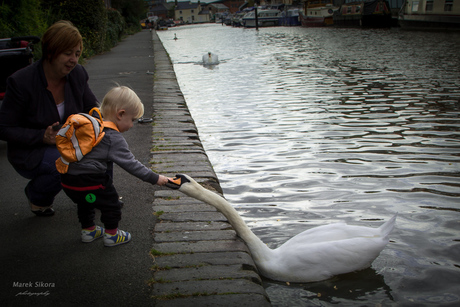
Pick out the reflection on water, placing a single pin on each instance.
(345, 290)
(305, 127)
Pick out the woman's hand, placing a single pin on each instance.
(50, 135)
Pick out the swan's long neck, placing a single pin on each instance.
(257, 247)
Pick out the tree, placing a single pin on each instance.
(21, 18)
(89, 16)
(132, 10)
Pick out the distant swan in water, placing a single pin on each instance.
(313, 255)
(210, 59)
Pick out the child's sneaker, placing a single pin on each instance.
(120, 237)
(89, 236)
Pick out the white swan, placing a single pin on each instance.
(210, 59)
(313, 255)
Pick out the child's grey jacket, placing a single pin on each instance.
(113, 147)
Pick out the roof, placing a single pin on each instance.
(187, 5)
(219, 6)
(161, 7)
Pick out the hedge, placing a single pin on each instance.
(101, 28)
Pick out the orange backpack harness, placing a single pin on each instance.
(77, 137)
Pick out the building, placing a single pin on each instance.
(192, 12)
(233, 6)
(215, 8)
(162, 10)
(188, 12)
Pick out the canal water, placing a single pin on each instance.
(311, 126)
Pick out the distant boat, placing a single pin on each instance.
(317, 13)
(289, 17)
(228, 20)
(219, 17)
(430, 15)
(366, 13)
(266, 18)
(237, 19)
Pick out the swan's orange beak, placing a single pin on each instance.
(176, 180)
(174, 183)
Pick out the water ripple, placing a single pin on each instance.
(305, 127)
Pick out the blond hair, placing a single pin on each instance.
(121, 98)
(60, 37)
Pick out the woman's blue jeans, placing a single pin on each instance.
(45, 180)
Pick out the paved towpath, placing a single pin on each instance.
(198, 258)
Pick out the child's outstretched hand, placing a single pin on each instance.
(162, 180)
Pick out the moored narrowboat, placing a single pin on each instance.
(430, 15)
(317, 13)
(366, 13)
(265, 18)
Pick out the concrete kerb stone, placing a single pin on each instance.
(208, 272)
(210, 235)
(217, 293)
(225, 300)
(198, 257)
(195, 260)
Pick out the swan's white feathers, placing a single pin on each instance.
(314, 254)
(210, 59)
(333, 232)
(302, 261)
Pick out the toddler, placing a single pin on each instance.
(88, 183)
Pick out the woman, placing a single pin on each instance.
(37, 100)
